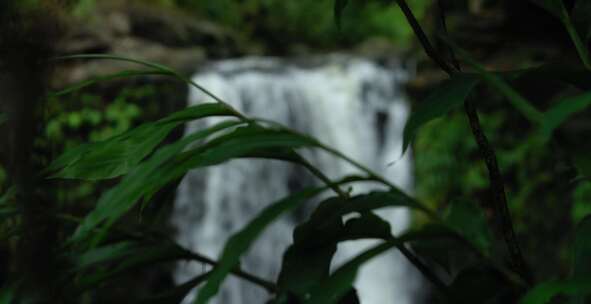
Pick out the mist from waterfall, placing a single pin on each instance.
(352, 104)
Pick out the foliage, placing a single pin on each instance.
(98, 247)
(280, 22)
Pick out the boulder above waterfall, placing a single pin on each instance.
(144, 32)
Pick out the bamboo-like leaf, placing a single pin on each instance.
(116, 156)
(249, 141)
(104, 254)
(446, 97)
(240, 242)
(241, 142)
(381, 199)
(128, 256)
(122, 74)
(564, 108)
(557, 8)
(140, 181)
(155, 66)
(494, 80)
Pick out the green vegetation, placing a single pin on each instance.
(480, 218)
(288, 22)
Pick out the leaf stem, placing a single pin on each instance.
(579, 45)
(267, 285)
(426, 271)
(497, 188)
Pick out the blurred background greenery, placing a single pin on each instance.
(279, 24)
(546, 197)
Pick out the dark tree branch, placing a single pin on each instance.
(441, 10)
(420, 34)
(426, 271)
(267, 285)
(497, 188)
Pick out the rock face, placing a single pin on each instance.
(143, 32)
(351, 104)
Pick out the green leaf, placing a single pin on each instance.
(240, 242)
(519, 102)
(468, 220)
(155, 66)
(307, 261)
(116, 156)
(244, 141)
(381, 199)
(169, 164)
(303, 267)
(557, 8)
(367, 226)
(140, 181)
(322, 227)
(248, 141)
(104, 254)
(113, 158)
(3, 118)
(89, 82)
(339, 6)
(123, 258)
(340, 282)
(564, 108)
(544, 292)
(447, 96)
(580, 45)
(582, 252)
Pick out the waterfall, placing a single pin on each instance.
(352, 104)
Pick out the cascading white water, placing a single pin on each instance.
(351, 104)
